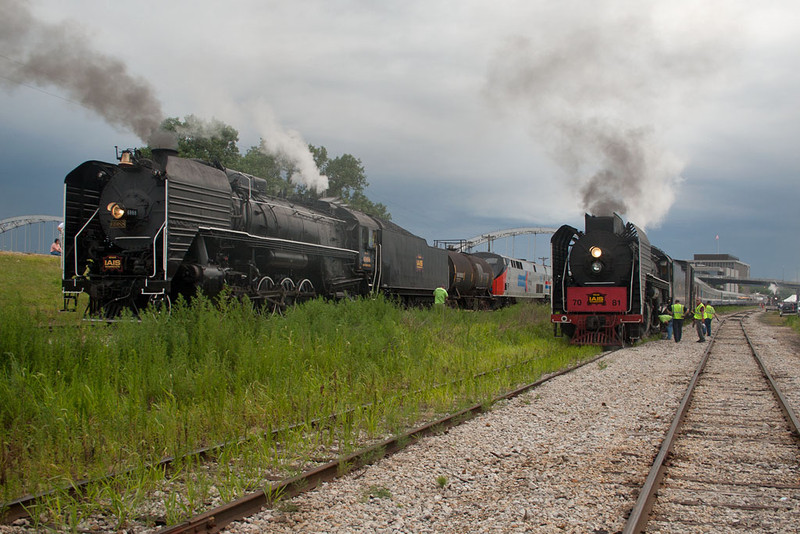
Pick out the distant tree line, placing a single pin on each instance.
(217, 142)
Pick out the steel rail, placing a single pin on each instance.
(644, 503)
(786, 408)
(215, 520)
(639, 516)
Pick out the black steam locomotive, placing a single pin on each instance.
(608, 282)
(147, 230)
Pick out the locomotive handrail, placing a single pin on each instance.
(376, 279)
(75, 239)
(564, 281)
(641, 289)
(155, 237)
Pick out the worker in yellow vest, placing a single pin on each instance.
(699, 319)
(440, 295)
(678, 312)
(710, 314)
(665, 318)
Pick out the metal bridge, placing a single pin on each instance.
(29, 233)
(467, 245)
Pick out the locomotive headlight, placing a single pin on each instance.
(597, 267)
(596, 252)
(116, 210)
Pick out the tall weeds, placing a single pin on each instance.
(85, 401)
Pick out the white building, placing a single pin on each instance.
(722, 265)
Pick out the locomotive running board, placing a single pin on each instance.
(284, 244)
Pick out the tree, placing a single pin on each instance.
(360, 202)
(257, 163)
(347, 180)
(346, 176)
(207, 140)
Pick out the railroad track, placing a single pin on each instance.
(731, 460)
(217, 519)
(280, 488)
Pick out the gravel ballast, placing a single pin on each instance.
(569, 456)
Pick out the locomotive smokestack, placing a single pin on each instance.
(606, 223)
(163, 140)
(160, 156)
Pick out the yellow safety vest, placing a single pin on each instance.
(677, 311)
(710, 311)
(700, 311)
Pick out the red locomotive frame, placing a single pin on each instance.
(606, 304)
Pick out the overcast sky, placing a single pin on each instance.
(469, 116)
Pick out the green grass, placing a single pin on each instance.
(792, 321)
(33, 282)
(86, 399)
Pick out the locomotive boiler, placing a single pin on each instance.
(608, 282)
(144, 231)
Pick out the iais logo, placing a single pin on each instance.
(597, 299)
(112, 263)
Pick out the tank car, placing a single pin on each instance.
(144, 231)
(608, 282)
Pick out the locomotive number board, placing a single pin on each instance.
(597, 299)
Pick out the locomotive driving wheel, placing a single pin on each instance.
(269, 295)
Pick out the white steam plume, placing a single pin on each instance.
(773, 288)
(290, 147)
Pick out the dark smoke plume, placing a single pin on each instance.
(600, 86)
(49, 55)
